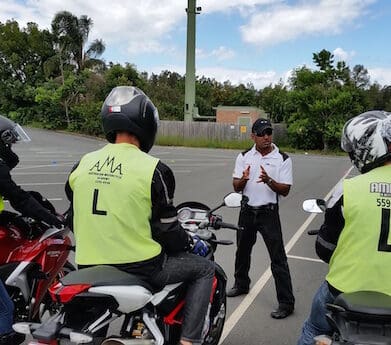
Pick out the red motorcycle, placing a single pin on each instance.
(33, 255)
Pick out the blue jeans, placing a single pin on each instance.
(197, 272)
(6, 311)
(316, 323)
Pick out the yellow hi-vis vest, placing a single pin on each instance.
(362, 258)
(1, 204)
(112, 206)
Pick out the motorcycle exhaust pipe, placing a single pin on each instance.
(118, 341)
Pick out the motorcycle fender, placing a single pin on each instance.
(219, 272)
(129, 298)
(18, 278)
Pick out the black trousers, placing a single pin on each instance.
(267, 222)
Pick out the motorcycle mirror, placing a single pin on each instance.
(230, 200)
(314, 205)
(233, 200)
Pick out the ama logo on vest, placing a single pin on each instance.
(108, 165)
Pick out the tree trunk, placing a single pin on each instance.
(67, 114)
(325, 144)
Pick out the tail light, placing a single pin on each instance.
(64, 294)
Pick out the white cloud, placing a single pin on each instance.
(259, 79)
(380, 75)
(138, 27)
(282, 23)
(342, 55)
(244, 6)
(223, 53)
(149, 26)
(219, 54)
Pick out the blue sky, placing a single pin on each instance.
(257, 41)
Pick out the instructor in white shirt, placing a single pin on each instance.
(263, 174)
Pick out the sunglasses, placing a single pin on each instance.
(267, 131)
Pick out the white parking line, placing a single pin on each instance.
(41, 183)
(304, 258)
(43, 166)
(41, 173)
(257, 288)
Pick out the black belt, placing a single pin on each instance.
(268, 207)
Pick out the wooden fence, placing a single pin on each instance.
(213, 130)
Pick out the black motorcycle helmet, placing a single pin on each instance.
(10, 133)
(128, 109)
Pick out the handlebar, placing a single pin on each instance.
(229, 226)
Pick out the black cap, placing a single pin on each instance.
(260, 125)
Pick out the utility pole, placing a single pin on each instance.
(190, 108)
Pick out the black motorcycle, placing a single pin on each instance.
(93, 298)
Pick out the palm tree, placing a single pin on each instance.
(71, 35)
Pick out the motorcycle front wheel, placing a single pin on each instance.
(217, 319)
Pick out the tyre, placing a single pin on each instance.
(217, 319)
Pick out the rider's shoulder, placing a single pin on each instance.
(336, 196)
(163, 169)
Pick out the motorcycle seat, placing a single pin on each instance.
(103, 275)
(366, 302)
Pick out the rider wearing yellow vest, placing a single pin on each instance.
(355, 236)
(123, 212)
(112, 193)
(362, 251)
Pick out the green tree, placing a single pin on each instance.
(360, 77)
(65, 94)
(166, 91)
(23, 54)
(274, 100)
(117, 75)
(322, 101)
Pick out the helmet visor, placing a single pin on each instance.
(20, 134)
(121, 95)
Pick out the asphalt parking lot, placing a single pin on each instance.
(205, 175)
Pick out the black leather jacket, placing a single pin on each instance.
(21, 200)
(330, 231)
